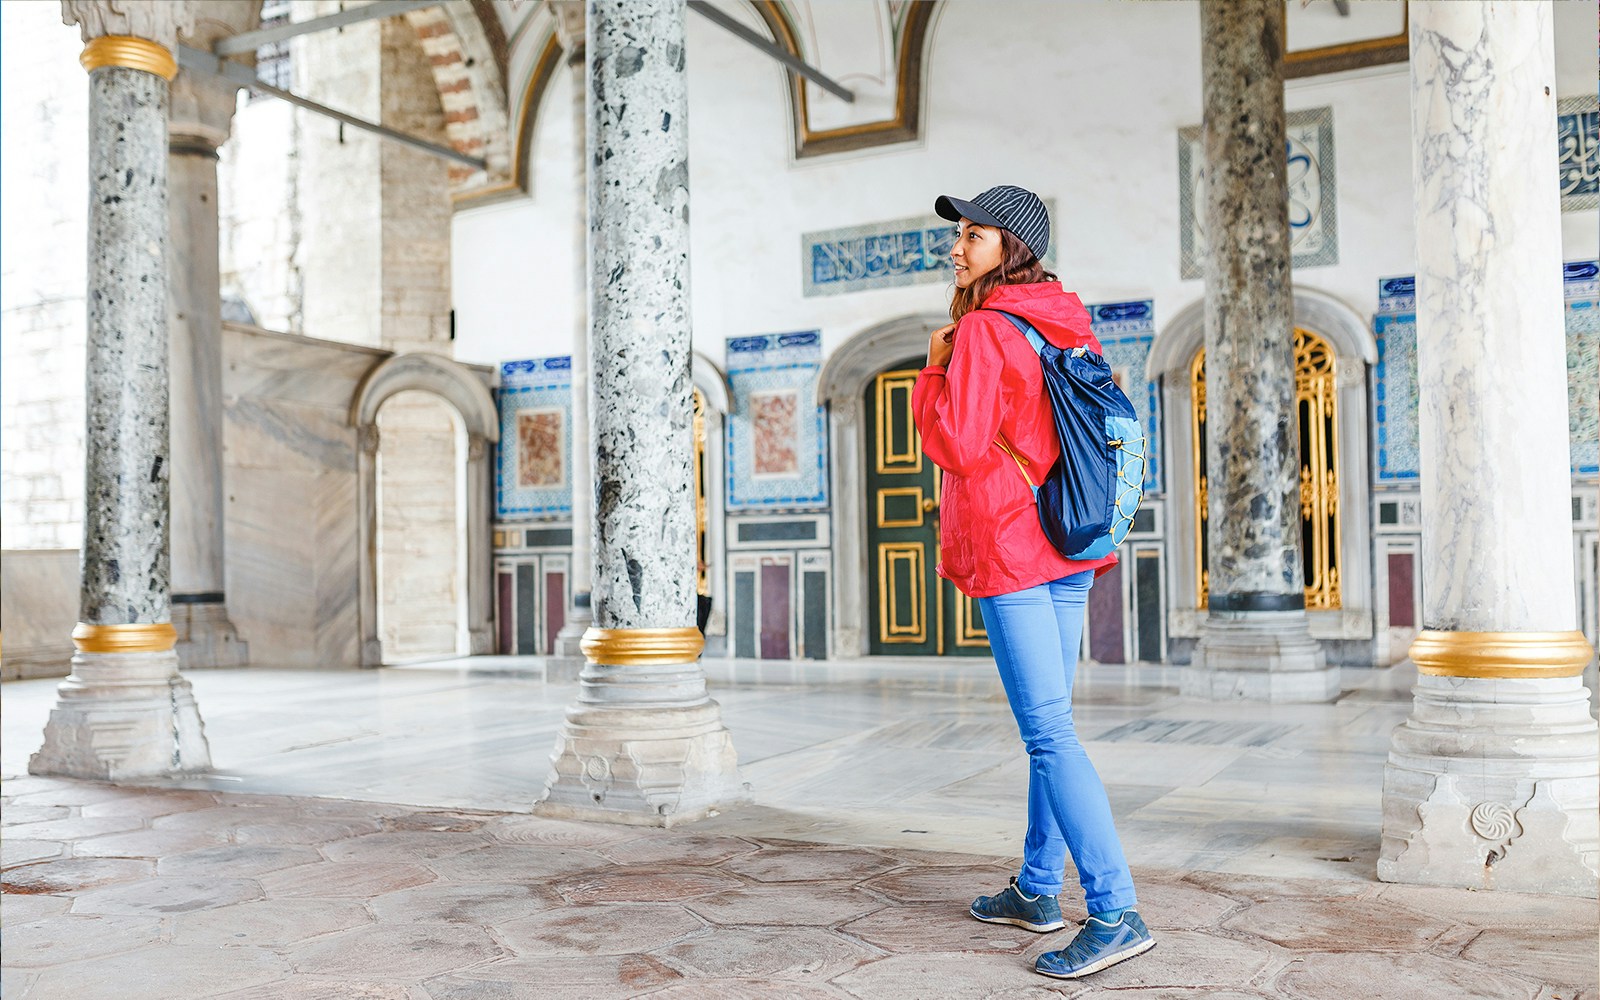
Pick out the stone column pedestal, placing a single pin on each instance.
(125, 712)
(643, 743)
(1256, 644)
(1492, 782)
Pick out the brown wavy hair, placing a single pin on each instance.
(1018, 266)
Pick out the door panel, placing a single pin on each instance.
(913, 612)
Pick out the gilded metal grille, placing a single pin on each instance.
(701, 507)
(1316, 410)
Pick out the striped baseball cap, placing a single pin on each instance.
(1007, 207)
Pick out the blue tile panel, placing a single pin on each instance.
(1395, 377)
(1578, 142)
(1126, 330)
(1313, 193)
(538, 383)
(766, 363)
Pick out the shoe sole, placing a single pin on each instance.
(1104, 963)
(1019, 922)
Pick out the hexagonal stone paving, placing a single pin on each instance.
(74, 875)
(941, 885)
(482, 903)
(925, 927)
(1564, 955)
(268, 923)
(1404, 977)
(152, 804)
(598, 977)
(516, 863)
(554, 832)
(331, 880)
(237, 860)
(403, 845)
(643, 887)
(602, 929)
(147, 843)
(1180, 959)
(677, 848)
(323, 988)
(951, 977)
(20, 852)
(395, 952)
(791, 953)
(167, 895)
(811, 864)
(74, 938)
(163, 972)
(1336, 925)
(820, 904)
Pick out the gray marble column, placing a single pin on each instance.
(644, 742)
(1256, 644)
(1492, 781)
(201, 117)
(124, 711)
(569, 16)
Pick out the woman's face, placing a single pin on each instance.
(977, 252)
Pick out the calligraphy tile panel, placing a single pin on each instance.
(1126, 330)
(1395, 399)
(777, 443)
(534, 454)
(1313, 205)
(1578, 139)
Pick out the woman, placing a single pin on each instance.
(979, 402)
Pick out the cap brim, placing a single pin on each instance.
(955, 210)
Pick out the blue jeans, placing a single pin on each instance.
(1035, 634)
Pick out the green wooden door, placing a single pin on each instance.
(913, 612)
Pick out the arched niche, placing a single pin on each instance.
(467, 393)
(841, 386)
(712, 383)
(1354, 350)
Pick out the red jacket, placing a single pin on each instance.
(990, 541)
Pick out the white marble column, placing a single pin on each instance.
(1492, 781)
(569, 27)
(125, 711)
(644, 742)
(1256, 644)
(201, 117)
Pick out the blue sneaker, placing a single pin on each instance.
(1098, 946)
(1039, 914)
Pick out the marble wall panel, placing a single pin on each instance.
(290, 479)
(1126, 330)
(535, 450)
(777, 448)
(1313, 189)
(38, 607)
(1582, 284)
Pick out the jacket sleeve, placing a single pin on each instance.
(957, 409)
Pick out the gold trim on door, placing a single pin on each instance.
(890, 384)
(918, 505)
(967, 631)
(890, 628)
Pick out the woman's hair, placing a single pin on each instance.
(1018, 266)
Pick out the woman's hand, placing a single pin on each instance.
(941, 345)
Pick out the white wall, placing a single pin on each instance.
(1092, 124)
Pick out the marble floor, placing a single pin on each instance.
(357, 819)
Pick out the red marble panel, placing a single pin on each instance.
(1402, 605)
(507, 594)
(776, 612)
(539, 454)
(775, 430)
(555, 608)
(1105, 618)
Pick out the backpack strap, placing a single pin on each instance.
(1035, 341)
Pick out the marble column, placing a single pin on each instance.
(1492, 781)
(569, 27)
(125, 711)
(644, 742)
(1255, 644)
(201, 117)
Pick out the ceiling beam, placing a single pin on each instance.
(733, 27)
(249, 41)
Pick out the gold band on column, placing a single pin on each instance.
(131, 52)
(1501, 654)
(157, 637)
(627, 647)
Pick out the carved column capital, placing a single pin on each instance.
(156, 22)
(569, 17)
(203, 105)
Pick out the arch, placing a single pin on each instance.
(468, 394)
(1354, 349)
(713, 385)
(841, 385)
(469, 73)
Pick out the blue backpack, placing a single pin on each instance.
(1088, 499)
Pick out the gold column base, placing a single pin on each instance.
(628, 647)
(157, 637)
(131, 52)
(1501, 654)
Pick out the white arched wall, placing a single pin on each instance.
(713, 385)
(840, 387)
(470, 397)
(1354, 351)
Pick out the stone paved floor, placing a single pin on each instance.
(128, 893)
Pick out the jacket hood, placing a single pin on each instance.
(1058, 315)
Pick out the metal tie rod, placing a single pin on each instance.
(201, 61)
(249, 41)
(805, 69)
